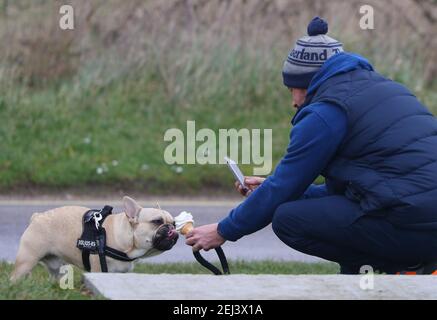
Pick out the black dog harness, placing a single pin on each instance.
(93, 239)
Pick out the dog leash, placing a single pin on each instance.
(184, 229)
(208, 265)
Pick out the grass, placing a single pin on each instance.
(39, 285)
(113, 136)
(244, 267)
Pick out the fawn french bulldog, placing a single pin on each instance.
(51, 238)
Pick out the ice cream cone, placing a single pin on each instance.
(184, 223)
(187, 228)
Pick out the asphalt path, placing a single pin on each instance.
(262, 245)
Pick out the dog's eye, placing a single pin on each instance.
(157, 221)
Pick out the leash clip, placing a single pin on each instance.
(97, 218)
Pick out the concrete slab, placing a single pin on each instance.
(258, 287)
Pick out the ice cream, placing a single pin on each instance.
(184, 222)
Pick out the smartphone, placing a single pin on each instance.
(236, 171)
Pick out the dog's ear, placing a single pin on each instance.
(131, 208)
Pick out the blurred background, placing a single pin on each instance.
(86, 109)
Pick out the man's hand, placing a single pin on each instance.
(251, 182)
(204, 237)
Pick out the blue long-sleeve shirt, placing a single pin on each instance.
(313, 142)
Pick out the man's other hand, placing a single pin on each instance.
(251, 182)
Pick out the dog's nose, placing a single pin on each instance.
(171, 234)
